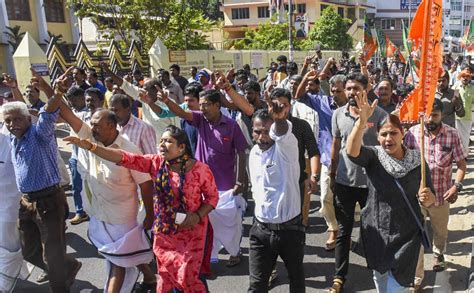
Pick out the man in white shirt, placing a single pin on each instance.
(277, 229)
(110, 198)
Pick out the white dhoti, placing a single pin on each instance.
(464, 129)
(12, 265)
(226, 220)
(124, 245)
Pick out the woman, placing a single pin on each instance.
(183, 186)
(391, 223)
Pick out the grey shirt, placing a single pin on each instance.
(449, 110)
(348, 173)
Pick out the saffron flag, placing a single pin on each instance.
(425, 33)
(391, 49)
(370, 45)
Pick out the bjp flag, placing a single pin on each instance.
(425, 33)
(370, 45)
(391, 49)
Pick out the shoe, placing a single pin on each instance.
(73, 273)
(233, 261)
(145, 287)
(439, 263)
(43, 277)
(337, 285)
(273, 277)
(79, 219)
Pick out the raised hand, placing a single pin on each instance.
(311, 75)
(9, 81)
(38, 82)
(82, 143)
(221, 83)
(144, 97)
(276, 110)
(364, 109)
(161, 95)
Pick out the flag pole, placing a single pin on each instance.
(422, 150)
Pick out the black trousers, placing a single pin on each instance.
(345, 199)
(265, 246)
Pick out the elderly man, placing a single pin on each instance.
(42, 206)
(466, 91)
(111, 200)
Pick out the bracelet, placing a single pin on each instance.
(228, 88)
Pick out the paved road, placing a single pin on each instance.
(319, 264)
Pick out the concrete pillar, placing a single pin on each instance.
(4, 39)
(42, 25)
(74, 26)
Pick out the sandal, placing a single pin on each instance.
(330, 245)
(337, 285)
(439, 263)
(233, 261)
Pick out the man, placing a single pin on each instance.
(277, 229)
(221, 144)
(11, 261)
(248, 71)
(109, 85)
(79, 76)
(42, 206)
(301, 33)
(175, 74)
(75, 97)
(291, 69)
(442, 147)
(466, 92)
(93, 81)
(32, 94)
(385, 95)
(349, 181)
(110, 195)
(193, 72)
(325, 107)
(282, 61)
(135, 130)
(173, 90)
(204, 79)
(452, 103)
(94, 99)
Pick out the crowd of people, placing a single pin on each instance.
(163, 168)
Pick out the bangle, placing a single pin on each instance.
(93, 147)
(228, 88)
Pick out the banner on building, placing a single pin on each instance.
(405, 4)
(301, 25)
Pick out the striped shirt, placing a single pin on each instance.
(139, 133)
(440, 151)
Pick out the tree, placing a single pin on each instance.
(14, 36)
(179, 25)
(267, 36)
(330, 31)
(58, 39)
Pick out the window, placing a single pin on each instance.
(455, 20)
(301, 8)
(54, 10)
(263, 12)
(293, 7)
(467, 22)
(467, 8)
(340, 11)
(456, 5)
(455, 33)
(240, 13)
(388, 23)
(323, 6)
(18, 9)
(361, 13)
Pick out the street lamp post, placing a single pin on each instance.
(290, 29)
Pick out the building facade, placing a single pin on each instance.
(240, 15)
(37, 17)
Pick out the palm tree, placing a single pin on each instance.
(14, 35)
(58, 39)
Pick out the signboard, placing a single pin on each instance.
(405, 4)
(301, 26)
(177, 56)
(256, 60)
(41, 68)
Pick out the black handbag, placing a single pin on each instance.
(425, 239)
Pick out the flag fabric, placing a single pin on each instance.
(381, 46)
(467, 41)
(426, 32)
(406, 44)
(391, 49)
(370, 45)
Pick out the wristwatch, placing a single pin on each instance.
(459, 186)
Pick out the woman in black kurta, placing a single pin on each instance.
(390, 236)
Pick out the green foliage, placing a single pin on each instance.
(178, 23)
(267, 36)
(58, 39)
(330, 31)
(14, 36)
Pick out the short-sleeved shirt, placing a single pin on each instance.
(35, 155)
(440, 152)
(449, 111)
(348, 173)
(217, 145)
(274, 174)
(392, 106)
(109, 190)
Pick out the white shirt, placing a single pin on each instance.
(9, 194)
(140, 134)
(274, 174)
(110, 191)
(302, 111)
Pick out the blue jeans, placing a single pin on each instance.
(76, 186)
(386, 283)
